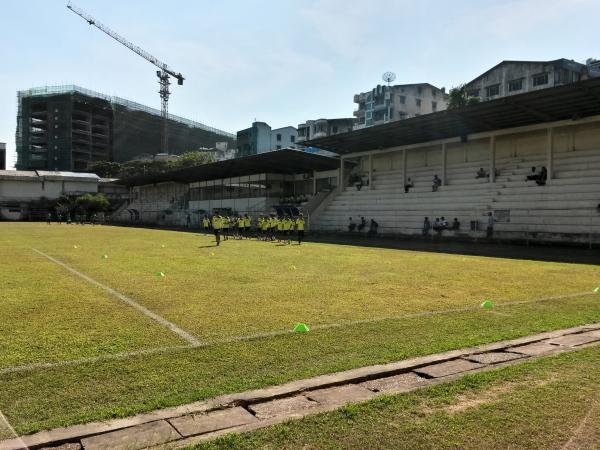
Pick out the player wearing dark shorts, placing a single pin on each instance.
(300, 228)
(217, 223)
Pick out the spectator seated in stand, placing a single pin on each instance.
(436, 183)
(455, 225)
(437, 226)
(541, 181)
(351, 225)
(373, 227)
(533, 176)
(444, 223)
(481, 173)
(362, 224)
(409, 184)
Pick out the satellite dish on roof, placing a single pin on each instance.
(388, 77)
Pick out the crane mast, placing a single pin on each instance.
(163, 74)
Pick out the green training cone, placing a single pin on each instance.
(301, 328)
(597, 290)
(487, 304)
(160, 274)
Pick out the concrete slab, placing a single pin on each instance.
(134, 438)
(494, 357)
(63, 447)
(535, 349)
(573, 340)
(593, 333)
(213, 421)
(403, 382)
(340, 395)
(283, 406)
(448, 368)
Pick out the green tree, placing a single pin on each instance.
(92, 203)
(459, 97)
(106, 169)
(192, 159)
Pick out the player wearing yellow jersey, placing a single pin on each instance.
(300, 228)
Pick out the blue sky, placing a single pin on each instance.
(282, 62)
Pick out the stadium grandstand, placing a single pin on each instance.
(67, 128)
(282, 182)
(555, 130)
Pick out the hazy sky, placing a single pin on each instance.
(282, 62)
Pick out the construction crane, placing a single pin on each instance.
(163, 74)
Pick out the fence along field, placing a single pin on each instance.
(73, 350)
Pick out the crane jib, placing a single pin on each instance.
(163, 74)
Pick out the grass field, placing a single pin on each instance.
(530, 406)
(71, 352)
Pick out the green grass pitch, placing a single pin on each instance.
(71, 352)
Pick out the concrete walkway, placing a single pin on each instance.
(184, 425)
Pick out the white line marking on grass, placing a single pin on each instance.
(577, 433)
(267, 334)
(170, 325)
(94, 359)
(398, 317)
(4, 420)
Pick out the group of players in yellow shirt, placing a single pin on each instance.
(268, 227)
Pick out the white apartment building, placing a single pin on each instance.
(386, 104)
(516, 77)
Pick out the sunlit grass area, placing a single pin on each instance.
(385, 304)
(530, 406)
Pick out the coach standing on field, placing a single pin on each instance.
(217, 224)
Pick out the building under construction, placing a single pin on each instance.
(67, 128)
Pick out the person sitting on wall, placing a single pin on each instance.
(455, 225)
(373, 227)
(533, 176)
(351, 225)
(443, 223)
(437, 226)
(541, 181)
(362, 224)
(481, 173)
(409, 184)
(436, 183)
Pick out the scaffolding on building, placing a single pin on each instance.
(89, 126)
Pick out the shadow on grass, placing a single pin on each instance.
(564, 253)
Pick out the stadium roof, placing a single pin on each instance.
(567, 102)
(286, 161)
(46, 175)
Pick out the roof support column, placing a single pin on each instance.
(550, 154)
(370, 170)
(314, 183)
(444, 182)
(404, 168)
(492, 159)
(341, 175)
